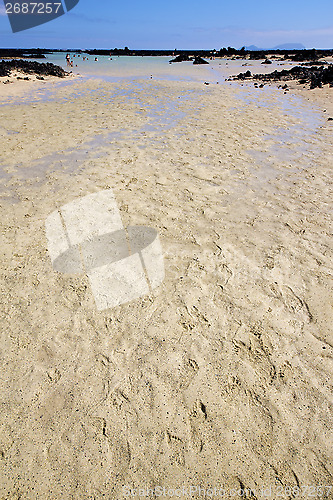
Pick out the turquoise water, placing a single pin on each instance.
(134, 67)
(131, 67)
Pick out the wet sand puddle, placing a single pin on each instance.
(293, 145)
(290, 146)
(156, 116)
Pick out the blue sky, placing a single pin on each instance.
(182, 24)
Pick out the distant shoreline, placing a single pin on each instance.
(295, 55)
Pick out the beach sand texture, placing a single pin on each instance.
(222, 376)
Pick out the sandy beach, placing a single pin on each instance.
(222, 376)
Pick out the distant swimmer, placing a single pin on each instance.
(96, 58)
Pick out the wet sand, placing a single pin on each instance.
(220, 378)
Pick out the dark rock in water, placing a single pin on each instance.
(181, 58)
(243, 76)
(304, 55)
(199, 60)
(316, 76)
(330, 119)
(31, 68)
(24, 53)
(266, 61)
(315, 63)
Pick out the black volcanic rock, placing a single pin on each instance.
(256, 55)
(315, 63)
(181, 58)
(23, 53)
(266, 61)
(242, 76)
(316, 76)
(199, 60)
(305, 55)
(31, 68)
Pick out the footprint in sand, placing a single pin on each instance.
(295, 304)
(191, 369)
(177, 449)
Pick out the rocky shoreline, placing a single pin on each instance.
(315, 76)
(31, 68)
(194, 59)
